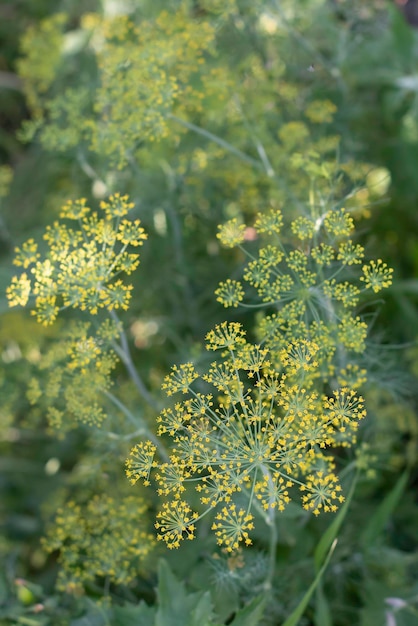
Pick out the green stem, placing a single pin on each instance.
(143, 430)
(137, 433)
(271, 522)
(124, 354)
(221, 142)
(295, 616)
(259, 146)
(272, 550)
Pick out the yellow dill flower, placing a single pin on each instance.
(352, 376)
(75, 209)
(257, 273)
(321, 492)
(303, 228)
(225, 335)
(299, 356)
(118, 206)
(323, 254)
(19, 290)
(180, 378)
(270, 256)
(280, 289)
(83, 352)
(230, 293)
(175, 522)
(80, 265)
(294, 135)
(273, 492)
(344, 292)
(130, 233)
(231, 233)
(231, 527)
(352, 332)
(140, 462)
(350, 253)
(41, 47)
(377, 275)
(339, 223)
(27, 254)
(269, 222)
(117, 545)
(266, 434)
(320, 111)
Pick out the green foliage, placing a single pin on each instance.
(261, 150)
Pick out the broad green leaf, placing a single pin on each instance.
(176, 607)
(381, 517)
(251, 614)
(133, 615)
(202, 613)
(403, 35)
(322, 609)
(94, 617)
(295, 616)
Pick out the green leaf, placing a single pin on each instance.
(403, 36)
(202, 613)
(322, 609)
(295, 616)
(251, 614)
(94, 617)
(4, 590)
(134, 615)
(176, 607)
(332, 531)
(381, 517)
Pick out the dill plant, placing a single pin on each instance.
(268, 424)
(261, 426)
(264, 421)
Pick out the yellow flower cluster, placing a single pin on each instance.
(264, 434)
(143, 71)
(82, 265)
(74, 375)
(117, 545)
(41, 48)
(306, 283)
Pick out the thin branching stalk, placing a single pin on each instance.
(143, 430)
(271, 522)
(221, 142)
(259, 146)
(122, 350)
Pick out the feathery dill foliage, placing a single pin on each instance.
(82, 265)
(267, 429)
(93, 541)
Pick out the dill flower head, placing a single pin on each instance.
(80, 266)
(141, 73)
(74, 373)
(117, 545)
(306, 284)
(264, 433)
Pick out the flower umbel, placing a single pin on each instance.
(265, 435)
(79, 269)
